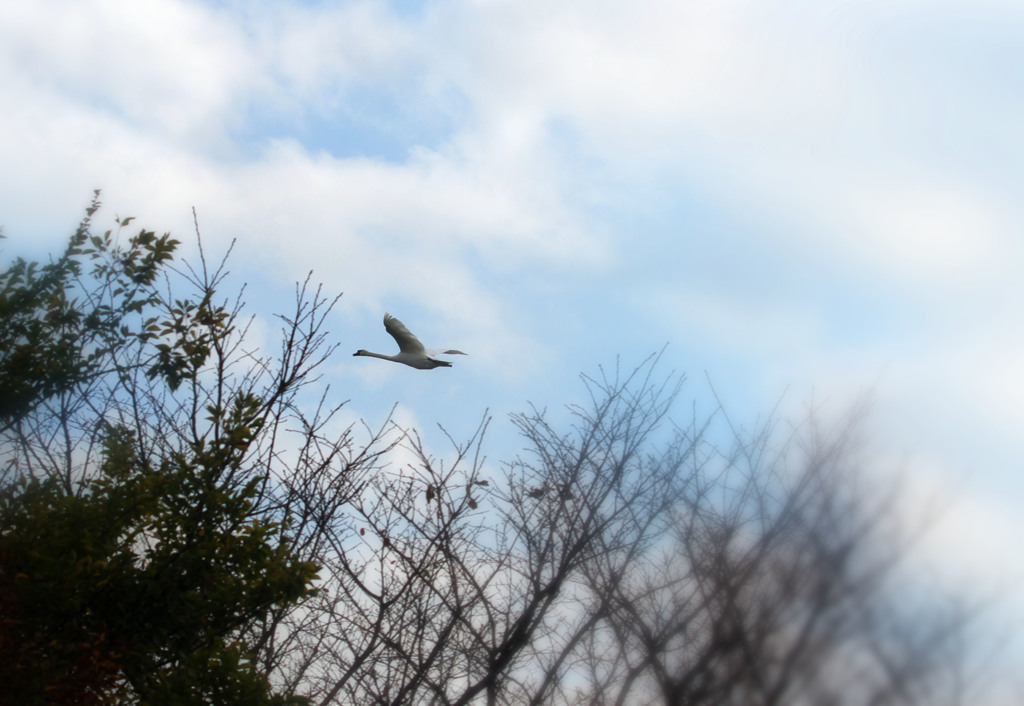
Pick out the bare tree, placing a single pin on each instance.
(774, 586)
(440, 583)
(625, 560)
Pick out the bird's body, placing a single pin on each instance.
(410, 351)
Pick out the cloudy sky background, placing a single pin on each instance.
(806, 200)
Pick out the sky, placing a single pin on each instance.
(808, 202)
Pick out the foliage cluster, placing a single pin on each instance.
(131, 548)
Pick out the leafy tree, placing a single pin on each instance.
(133, 549)
(57, 329)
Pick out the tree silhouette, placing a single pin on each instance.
(185, 521)
(625, 560)
(135, 548)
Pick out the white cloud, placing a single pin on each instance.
(820, 115)
(312, 54)
(933, 231)
(170, 66)
(969, 533)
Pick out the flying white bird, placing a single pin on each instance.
(411, 351)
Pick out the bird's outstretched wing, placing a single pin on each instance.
(407, 342)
